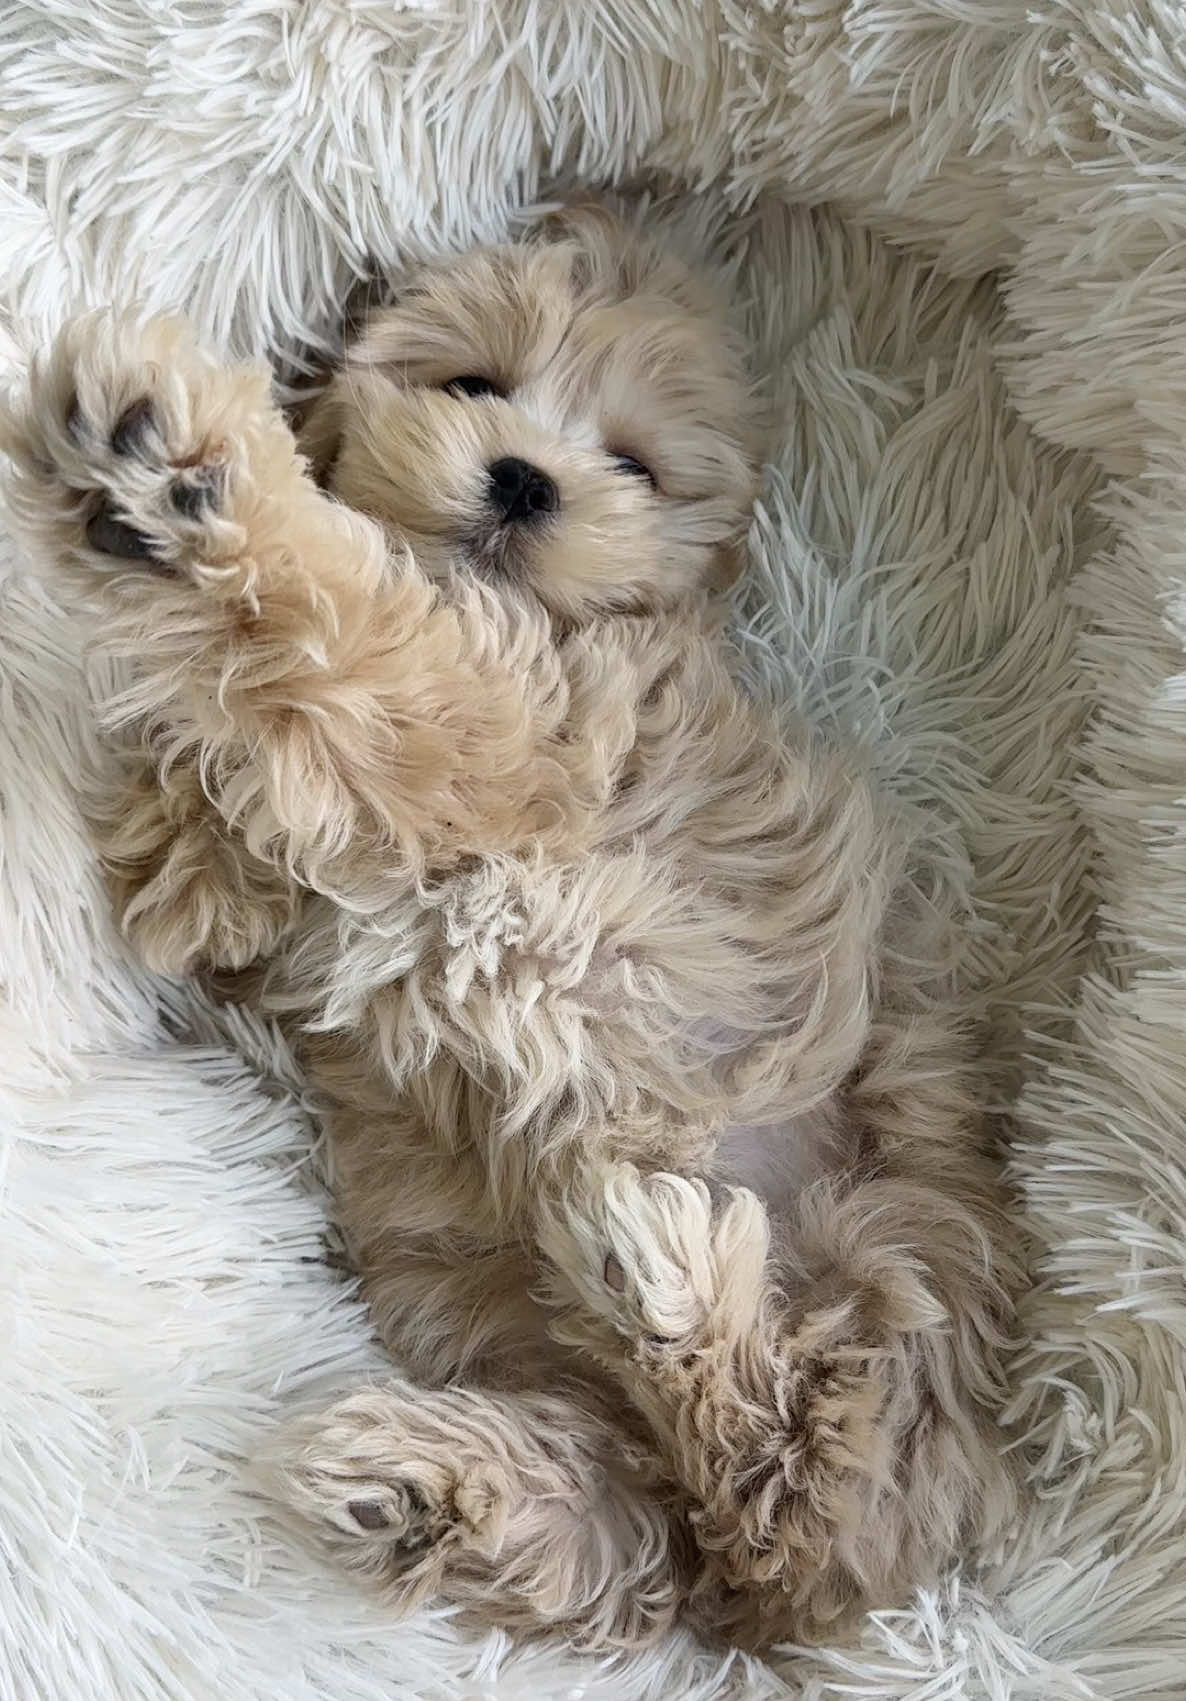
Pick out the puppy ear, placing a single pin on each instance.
(318, 430)
(371, 290)
(588, 220)
(600, 240)
(316, 418)
(728, 564)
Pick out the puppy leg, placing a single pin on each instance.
(813, 1411)
(522, 1509)
(336, 708)
(187, 892)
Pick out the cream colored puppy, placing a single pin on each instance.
(652, 1128)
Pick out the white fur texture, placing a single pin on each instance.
(927, 575)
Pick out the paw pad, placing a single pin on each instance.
(109, 535)
(133, 427)
(367, 1514)
(196, 492)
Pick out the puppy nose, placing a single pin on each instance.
(520, 491)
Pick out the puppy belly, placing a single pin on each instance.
(777, 1160)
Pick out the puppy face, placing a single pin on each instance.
(567, 419)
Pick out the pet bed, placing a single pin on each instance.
(958, 234)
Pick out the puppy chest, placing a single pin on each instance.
(615, 959)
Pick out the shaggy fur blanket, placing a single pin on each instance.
(958, 229)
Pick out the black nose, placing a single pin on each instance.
(520, 491)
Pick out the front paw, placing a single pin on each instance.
(133, 446)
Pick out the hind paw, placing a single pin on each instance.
(384, 1477)
(648, 1258)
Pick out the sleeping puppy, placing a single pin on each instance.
(651, 1121)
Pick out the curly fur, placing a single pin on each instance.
(579, 941)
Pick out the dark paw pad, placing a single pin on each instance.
(367, 1514)
(112, 536)
(197, 492)
(133, 427)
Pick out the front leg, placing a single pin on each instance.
(187, 892)
(337, 709)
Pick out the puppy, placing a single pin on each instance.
(652, 1126)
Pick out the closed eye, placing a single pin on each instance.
(636, 469)
(472, 384)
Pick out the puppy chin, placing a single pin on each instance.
(554, 567)
(500, 555)
(517, 567)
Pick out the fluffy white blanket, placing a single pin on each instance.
(959, 228)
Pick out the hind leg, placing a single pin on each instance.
(808, 1400)
(522, 1509)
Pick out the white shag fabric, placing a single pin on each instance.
(971, 554)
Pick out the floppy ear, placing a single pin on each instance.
(728, 564)
(605, 249)
(318, 430)
(587, 220)
(370, 291)
(316, 418)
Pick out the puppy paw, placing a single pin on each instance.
(135, 445)
(386, 1480)
(647, 1258)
